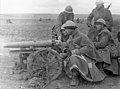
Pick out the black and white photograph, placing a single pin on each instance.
(59, 44)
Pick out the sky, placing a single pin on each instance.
(54, 6)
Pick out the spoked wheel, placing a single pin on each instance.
(45, 63)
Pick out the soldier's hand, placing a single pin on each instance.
(63, 55)
(57, 42)
(59, 37)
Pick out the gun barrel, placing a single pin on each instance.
(28, 44)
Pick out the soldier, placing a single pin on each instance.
(67, 14)
(106, 47)
(83, 55)
(101, 12)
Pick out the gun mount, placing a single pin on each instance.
(41, 51)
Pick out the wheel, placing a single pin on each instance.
(44, 63)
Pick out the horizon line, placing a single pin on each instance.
(44, 13)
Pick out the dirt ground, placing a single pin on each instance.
(20, 31)
(9, 80)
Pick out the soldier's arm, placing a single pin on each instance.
(84, 47)
(103, 41)
(109, 19)
(89, 19)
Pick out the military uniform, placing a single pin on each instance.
(103, 13)
(86, 65)
(104, 39)
(104, 44)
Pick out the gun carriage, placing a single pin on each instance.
(42, 59)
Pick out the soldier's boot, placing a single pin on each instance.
(100, 67)
(75, 80)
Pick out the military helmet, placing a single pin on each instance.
(69, 9)
(101, 21)
(99, 2)
(69, 24)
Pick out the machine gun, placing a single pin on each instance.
(25, 48)
(37, 57)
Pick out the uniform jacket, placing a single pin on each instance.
(85, 46)
(105, 45)
(102, 44)
(99, 13)
(103, 39)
